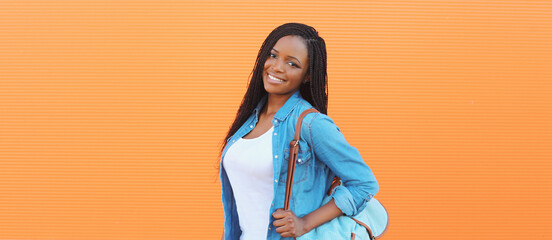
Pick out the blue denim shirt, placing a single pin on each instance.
(323, 154)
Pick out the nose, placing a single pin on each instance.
(277, 66)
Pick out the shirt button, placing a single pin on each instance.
(275, 121)
(275, 133)
(272, 204)
(233, 140)
(299, 160)
(251, 126)
(275, 156)
(269, 228)
(275, 180)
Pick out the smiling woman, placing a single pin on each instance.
(289, 77)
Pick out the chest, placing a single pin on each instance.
(261, 127)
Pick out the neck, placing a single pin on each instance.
(274, 103)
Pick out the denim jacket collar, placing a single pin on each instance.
(260, 105)
(284, 111)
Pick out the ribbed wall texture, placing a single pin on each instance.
(112, 112)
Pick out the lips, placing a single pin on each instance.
(274, 79)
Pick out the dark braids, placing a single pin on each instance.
(314, 91)
(317, 92)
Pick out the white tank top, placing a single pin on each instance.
(248, 164)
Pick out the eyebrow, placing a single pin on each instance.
(289, 56)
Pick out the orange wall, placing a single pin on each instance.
(111, 112)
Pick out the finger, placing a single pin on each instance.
(283, 229)
(285, 222)
(289, 233)
(279, 213)
(282, 221)
(279, 223)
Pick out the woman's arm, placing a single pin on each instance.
(359, 183)
(289, 225)
(331, 148)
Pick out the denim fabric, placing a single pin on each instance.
(323, 154)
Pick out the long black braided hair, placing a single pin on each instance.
(314, 91)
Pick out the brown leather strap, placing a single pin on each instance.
(365, 226)
(335, 183)
(293, 150)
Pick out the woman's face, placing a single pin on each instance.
(286, 67)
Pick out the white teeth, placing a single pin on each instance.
(270, 76)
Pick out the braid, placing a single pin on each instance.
(318, 95)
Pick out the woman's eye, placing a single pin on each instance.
(293, 64)
(272, 55)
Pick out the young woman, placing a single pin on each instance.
(289, 77)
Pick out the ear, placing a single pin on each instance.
(306, 79)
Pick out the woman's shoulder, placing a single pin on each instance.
(315, 120)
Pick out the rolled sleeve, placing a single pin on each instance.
(344, 200)
(359, 184)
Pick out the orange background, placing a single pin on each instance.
(112, 112)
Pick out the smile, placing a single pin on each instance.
(274, 78)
